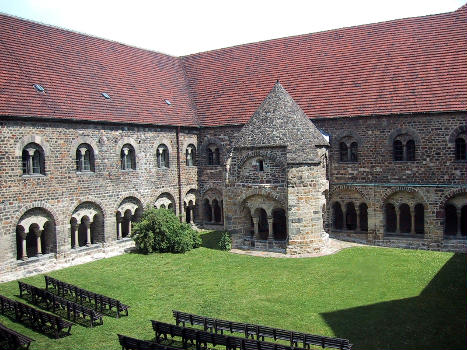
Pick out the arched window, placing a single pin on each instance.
(398, 150)
(263, 226)
(33, 161)
(350, 216)
(405, 218)
(354, 152)
(337, 216)
(363, 217)
(450, 220)
(213, 154)
(84, 158)
(343, 150)
(410, 150)
(460, 148)
(419, 219)
(162, 156)
(404, 148)
(391, 218)
(217, 157)
(190, 155)
(128, 157)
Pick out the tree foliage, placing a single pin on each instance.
(159, 230)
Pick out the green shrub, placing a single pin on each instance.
(225, 242)
(159, 230)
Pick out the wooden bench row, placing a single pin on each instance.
(202, 338)
(100, 301)
(12, 339)
(129, 343)
(260, 332)
(52, 302)
(39, 320)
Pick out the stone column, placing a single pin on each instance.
(412, 220)
(255, 226)
(74, 233)
(38, 233)
(24, 255)
(125, 157)
(88, 233)
(82, 152)
(459, 222)
(119, 227)
(31, 152)
(129, 226)
(398, 229)
(270, 223)
(192, 214)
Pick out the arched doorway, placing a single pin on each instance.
(279, 224)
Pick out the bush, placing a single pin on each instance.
(159, 230)
(225, 242)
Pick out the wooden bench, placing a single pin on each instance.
(129, 343)
(36, 319)
(260, 332)
(81, 295)
(202, 338)
(13, 339)
(52, 302)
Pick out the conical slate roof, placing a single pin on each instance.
(279, 121)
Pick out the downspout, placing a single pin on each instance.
(179, 175)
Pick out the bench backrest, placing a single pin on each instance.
(209, 323)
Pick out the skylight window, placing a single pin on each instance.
(39, 88)
(168, 102)
(106, 95)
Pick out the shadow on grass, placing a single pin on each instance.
(210, 239)
(436, 319)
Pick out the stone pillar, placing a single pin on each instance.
(119, 227)
(459, 222)
(412, 221)
(74, 233)
(270, 223)
(192, 214)
(129, 226)
(24, 255)
(88, 233)
(31, 152)
(82, 152)
(398, 229)
(255, 226)
(38, 233)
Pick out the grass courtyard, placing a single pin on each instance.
(378, 298)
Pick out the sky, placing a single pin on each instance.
(179, 27)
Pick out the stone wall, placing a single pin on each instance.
(62, 189)
(307, 187)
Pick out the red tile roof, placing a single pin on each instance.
(402, 66)
(75, 69)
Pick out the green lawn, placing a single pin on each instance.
(377, 298)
